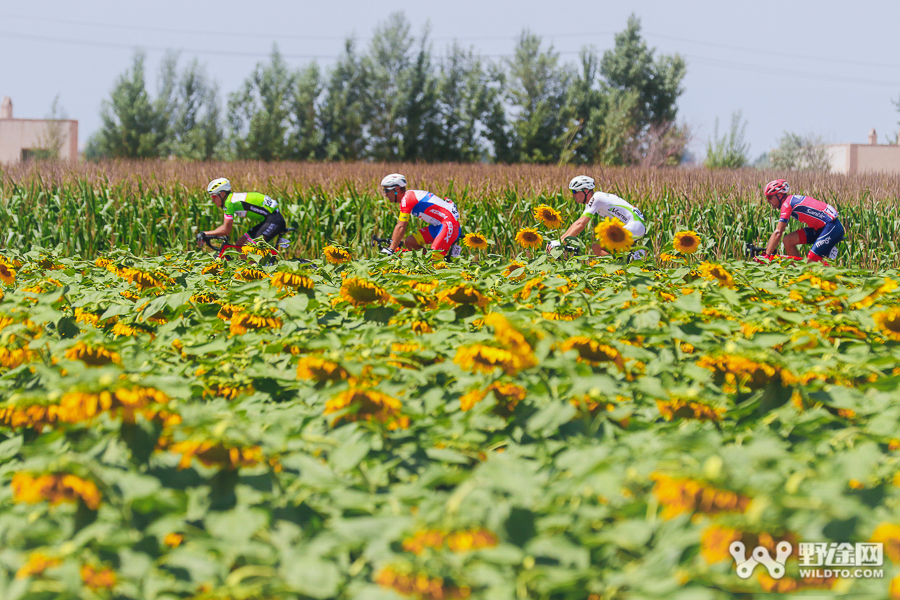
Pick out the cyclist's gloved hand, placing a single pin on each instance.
(387, 251)
(201, 237)
(553, 244)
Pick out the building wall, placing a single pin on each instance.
(856, 159)
(17, 135)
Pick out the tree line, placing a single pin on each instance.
(397, 102)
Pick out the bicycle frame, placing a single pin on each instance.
(758, 254)
(225, 246)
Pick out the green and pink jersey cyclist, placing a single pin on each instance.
(821, 226)
(260, 212)
(440, 214)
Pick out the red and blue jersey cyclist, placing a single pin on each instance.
(821, 226)
(440, 214)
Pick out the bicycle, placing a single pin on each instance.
(758, 254)
(221, 245)
(384, 243)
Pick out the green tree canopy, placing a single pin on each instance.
(132, 125)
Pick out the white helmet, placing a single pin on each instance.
(218, 185)
(394, 180)
(581, 182)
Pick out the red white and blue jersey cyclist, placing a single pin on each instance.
(440, 214)
(821, 226)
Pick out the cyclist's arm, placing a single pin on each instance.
(399, 231)
(576, 228)
(223, 229)
(775, 238)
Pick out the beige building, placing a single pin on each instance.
(21, 139)
(854, 159)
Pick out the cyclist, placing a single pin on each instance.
(822, 228)
(260, 210)
(441, 215)
(605, 205)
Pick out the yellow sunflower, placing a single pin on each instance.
(593, 352)
(294, 281)
(7, 274)
(359, 292)
(243, 322)
(687, 242)
(475, 241)
(612, 235)
(363, 404)
(715, 272)
(548, 216)
(889, 322)
(335, 255)
(528, 237)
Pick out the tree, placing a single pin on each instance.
(537, 94)
(797, 152)
(132, 126)
(420, 113)
(388, 62)
(346, 107)
(51, 139)
(729, 151)
(259, 112)
(307, 139)
(498, 129)
(462, 104)
(631, 66)
(190, 106)
(603, 118)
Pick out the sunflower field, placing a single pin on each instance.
(177, 427)
(156, 207)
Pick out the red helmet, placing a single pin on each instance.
(779, 186)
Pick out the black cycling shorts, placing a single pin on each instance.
(271, 228)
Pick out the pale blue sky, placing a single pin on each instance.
(788, 65)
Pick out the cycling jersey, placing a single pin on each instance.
(252, 205)
(428, 207)
(441, 215)
(610, 205)
(809, 211)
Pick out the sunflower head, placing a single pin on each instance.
(549, 216)
(359, 292)
(475, 241)
(612, 235)
(718, 273)
(687, 242)
(528, 237)
(335, 255)
(889, 322)
(7, 274)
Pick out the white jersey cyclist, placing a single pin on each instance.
(605, 206)
(609, 205)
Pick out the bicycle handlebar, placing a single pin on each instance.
(216, 242)
(752, 251)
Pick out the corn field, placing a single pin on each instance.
(154, 207)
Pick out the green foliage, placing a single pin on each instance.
(729, 151)
(631, 66)
(396, 102)
(195, 130)
(259, 113)
(242, 470)
(797, 152)
(345, 109)
(536, 89)
(133, 127)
